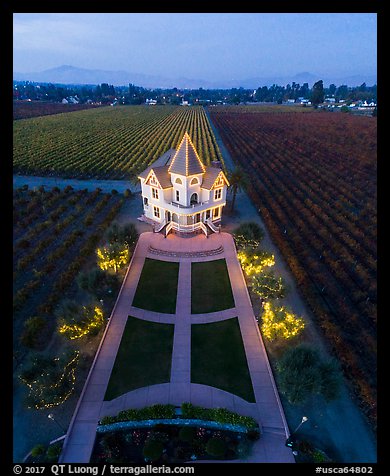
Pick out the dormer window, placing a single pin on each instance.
(194, 181)
(178, 181)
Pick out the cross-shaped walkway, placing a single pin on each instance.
(267, 410)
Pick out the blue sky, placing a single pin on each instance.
(210, 46)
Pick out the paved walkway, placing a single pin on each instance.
(267, 410)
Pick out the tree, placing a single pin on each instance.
(112, 256)
(50, 381)
(248, 234)
(238, 182)
(122, 234)
(75, 321)
(268, 286)
(302, 373)
(97, 282)
(317, 93)
(280, 322)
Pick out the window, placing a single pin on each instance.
(146, 202)
(194, 181)
(178, 180)
(155, 193)
(177, 195)
(218, 194)
(156, 211)
(194, 199)
(216, 212)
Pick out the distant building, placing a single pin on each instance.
(184, 195)
(151, 102)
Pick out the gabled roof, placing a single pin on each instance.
(161, 174)
(211, 176)
(186, 160)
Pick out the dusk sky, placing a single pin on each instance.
(210, 46)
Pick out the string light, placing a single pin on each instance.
(37, 387)
(109, 258)
(280, 322)
(75, 331)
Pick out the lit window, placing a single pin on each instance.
(216, 212)
(178, 180)
(155, 193)
(194, 181)
(156, 212)
(218, 194)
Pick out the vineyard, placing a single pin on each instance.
(313, 179)
(27, 109)
(114, 142)
(55, 232)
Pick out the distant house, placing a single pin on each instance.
(184, 103)
(151, 102)
(330, 99)
(65, 101)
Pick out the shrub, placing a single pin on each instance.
(302, 372)
(38, 450)
(127, 193)
(123, 234)
(280, 322)
(50, 381)
(153, 450)
(216, 447)
(75, 321)
(32, 332)
(54, 451)
(187, 433)
(249, 231)
(112, 256)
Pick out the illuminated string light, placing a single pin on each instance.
(111, 258)
(75, 331)
(280, 322)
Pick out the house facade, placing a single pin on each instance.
(184, 194)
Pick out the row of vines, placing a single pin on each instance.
(313, 179)
(54, 234)
(117, 142)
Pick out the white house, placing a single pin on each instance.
(184, 194)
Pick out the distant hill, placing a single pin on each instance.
(68, 74)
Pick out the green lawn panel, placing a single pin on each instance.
(218, 358)
(144, 357)
(210, 287)
(157, 287)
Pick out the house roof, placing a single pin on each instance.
(186, 160)
(211, 176)
(161, 174)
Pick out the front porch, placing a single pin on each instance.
(186, 224)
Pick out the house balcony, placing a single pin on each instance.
(192, 209)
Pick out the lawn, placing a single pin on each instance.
(210, 287)
(144, 357)
(218, 358)
(157, 287)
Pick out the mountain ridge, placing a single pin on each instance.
(68, 74)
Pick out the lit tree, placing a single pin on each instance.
(268, 286)
(50, 381)
(75, 321)
(254, 262)
(280, 322)
(112, 256)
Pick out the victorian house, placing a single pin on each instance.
(184, 194)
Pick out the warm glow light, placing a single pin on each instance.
(254, 264)
(109, 258)
(279, 322)
(75, 331)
